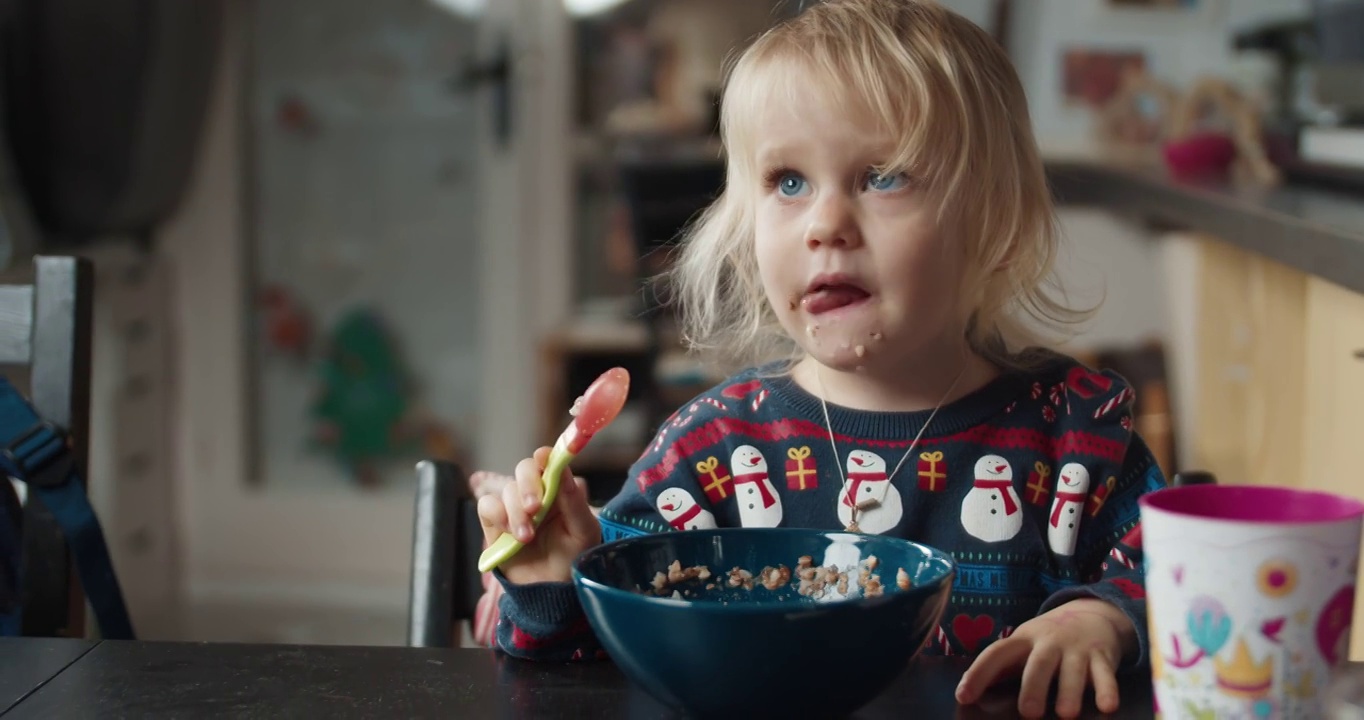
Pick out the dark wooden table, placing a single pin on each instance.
(113, 679)
(28, 663)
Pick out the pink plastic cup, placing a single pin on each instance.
(1250, 597)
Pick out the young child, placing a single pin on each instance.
(886, 221)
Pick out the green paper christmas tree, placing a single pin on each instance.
(365, 396)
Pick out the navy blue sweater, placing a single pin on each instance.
(1030, 483)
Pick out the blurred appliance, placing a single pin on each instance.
(1316, 132)
(1337, 139)
(1339, 26)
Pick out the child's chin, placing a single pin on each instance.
(838, 358)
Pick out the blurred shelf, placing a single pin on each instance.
(1315, 230)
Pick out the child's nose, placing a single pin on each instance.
(833, 224)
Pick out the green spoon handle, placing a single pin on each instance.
(506, 546)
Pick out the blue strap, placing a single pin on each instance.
(36, 453)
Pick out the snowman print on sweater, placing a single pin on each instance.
(878, 504)
(1072, 489)
(681, 510)
(991, 511)
(759, 504)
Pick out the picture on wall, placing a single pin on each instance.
(1092, 77)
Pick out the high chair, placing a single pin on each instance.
(45, 329)
(446, 542)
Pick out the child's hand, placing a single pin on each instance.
(487, 482)
(568, 529)
(1082, 640)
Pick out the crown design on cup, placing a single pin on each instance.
(1243, 677)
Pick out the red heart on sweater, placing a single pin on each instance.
(1130, 588)
(972, 631)
(739, 390)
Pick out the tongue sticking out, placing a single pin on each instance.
(832, 297)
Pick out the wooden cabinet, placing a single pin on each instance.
(1334, 391)
(1279, 361)
(1333, 441)
(1249, 363)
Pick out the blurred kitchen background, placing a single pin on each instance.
(333, 237)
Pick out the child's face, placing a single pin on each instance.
(853, 263)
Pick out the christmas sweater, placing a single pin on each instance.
(1030, 483)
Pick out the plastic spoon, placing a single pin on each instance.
(597, 407)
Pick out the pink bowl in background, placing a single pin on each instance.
(1201, 155)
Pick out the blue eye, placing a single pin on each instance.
(791, 184)
(886, 183)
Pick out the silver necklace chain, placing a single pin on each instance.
(838, 461)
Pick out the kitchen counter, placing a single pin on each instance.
(1317, 231)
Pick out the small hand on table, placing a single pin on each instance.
(1079, 643)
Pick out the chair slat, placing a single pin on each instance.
(16, 324)
(434, 549)
(59, 388)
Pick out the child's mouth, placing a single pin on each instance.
(827, 298)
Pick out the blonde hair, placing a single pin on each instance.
(950, 94)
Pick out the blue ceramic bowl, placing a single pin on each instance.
(721, 651)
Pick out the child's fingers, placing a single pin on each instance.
(1037, 676)
(518, 520)
(484, 482)
(492, 516)
(1001, 658)
(1070, 684)
(579, 520)
(528, 484)
(1105, 684)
